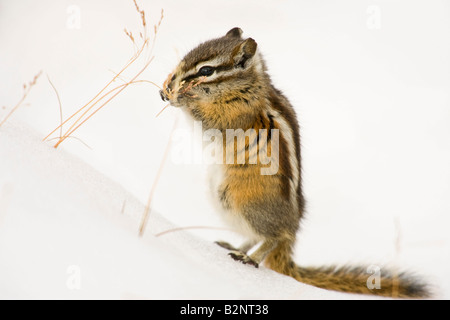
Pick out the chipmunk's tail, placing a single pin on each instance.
(352, 279)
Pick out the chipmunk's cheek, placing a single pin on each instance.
(179, 100)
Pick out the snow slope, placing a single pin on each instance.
(68, 232)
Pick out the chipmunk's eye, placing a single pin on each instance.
(206, 71)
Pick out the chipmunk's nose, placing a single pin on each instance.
(163, 96)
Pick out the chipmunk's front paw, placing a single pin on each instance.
(226, 245)
(245, 259)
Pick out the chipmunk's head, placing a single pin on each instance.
(217, 79)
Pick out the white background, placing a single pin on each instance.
(369, 80)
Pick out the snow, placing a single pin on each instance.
(373, 105)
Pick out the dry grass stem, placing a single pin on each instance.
(145, 216)
(122, 211)
(182, 89)
(167, 91)
(107, 93)
(59, 103)
(190, 228)
(167, 105)
(73, 137)
(118, 90)
(192, 84)
(26, 90)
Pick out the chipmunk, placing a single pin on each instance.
(224, 83)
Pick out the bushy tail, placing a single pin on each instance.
(348, 278)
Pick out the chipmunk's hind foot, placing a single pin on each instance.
(242, 257)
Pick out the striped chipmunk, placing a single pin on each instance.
(224, 84)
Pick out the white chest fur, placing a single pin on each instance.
(217, 178)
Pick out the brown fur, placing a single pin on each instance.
(239, 95)
(352, 279)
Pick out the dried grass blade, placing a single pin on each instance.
(145, 216)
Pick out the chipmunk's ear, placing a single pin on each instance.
(243, 52)
(234, 33)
